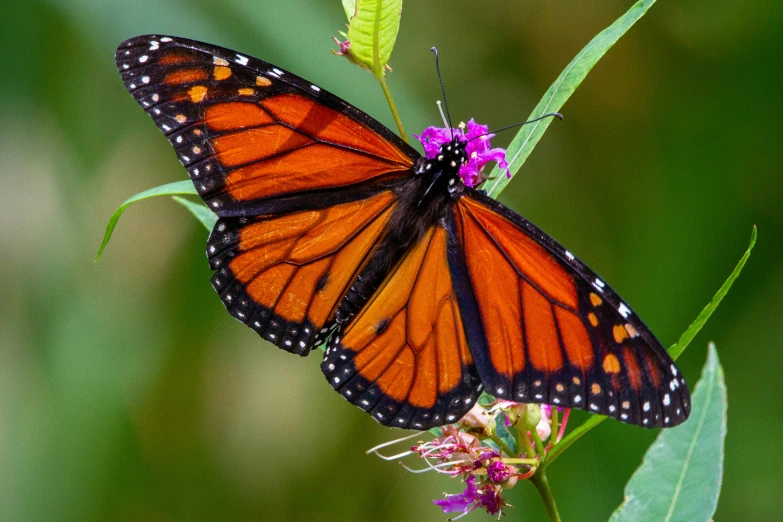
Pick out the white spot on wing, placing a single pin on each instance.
(569, 255)
(143, 58)
(315, 88)
(624, 310)
(599, 285)
(242, 60)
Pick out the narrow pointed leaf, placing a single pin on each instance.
(205, 216)
(705, 314)
(373, 32)
(681, 474)
(559, 92)
(675, 350)
(178, 187)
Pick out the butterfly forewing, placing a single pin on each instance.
(250, 133)
(546, 329)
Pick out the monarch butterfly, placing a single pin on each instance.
(333, 229)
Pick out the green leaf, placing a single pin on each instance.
(681, 474)
(200, 211)
(675, 351)
(705, 314)
(350, 8)
(505, 434)
(559, 92)
(373, 32)
(178, 187)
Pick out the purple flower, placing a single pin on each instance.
(477, 148)
(464, 502)
(487, 496)
(491, 499)
(497, 471)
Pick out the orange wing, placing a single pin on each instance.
(546, 329)
(250, 133)
(404, 358)
(284, 275)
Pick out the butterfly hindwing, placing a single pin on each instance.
(284, 274)
(250, 133)
(546, 329)
(404, 358)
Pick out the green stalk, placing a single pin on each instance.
(502, 445)
(380, 75)
(542, 485)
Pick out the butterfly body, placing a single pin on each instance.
(426, 291)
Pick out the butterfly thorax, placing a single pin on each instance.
(423, 201)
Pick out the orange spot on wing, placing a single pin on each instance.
(221, 72)
(197, 93)
(592, 318)
(246, 91)
(235, 115)
(256, 144)
(578, 345)
(595, 389)
(632, 332)
(262, 81)
(632, 368)
(595, 299)
(611, 364)
(189, 75)
(543, 343)
(619, 333)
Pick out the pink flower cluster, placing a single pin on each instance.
(477, 148)
(473, 450)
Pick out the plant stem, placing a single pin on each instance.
(502, 445)
(386, 92)
(542, 485)
(378, 72)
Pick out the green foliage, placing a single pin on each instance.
(681, 474)
(205, 216)
(675, 350)
(170, 189)
(350, 8)
(559, 92)
(373, 31)
(705, 314)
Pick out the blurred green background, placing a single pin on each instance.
(127, 392)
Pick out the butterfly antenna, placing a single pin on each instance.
(550, 115)
(442, 90)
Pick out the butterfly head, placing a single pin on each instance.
(446, 163)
